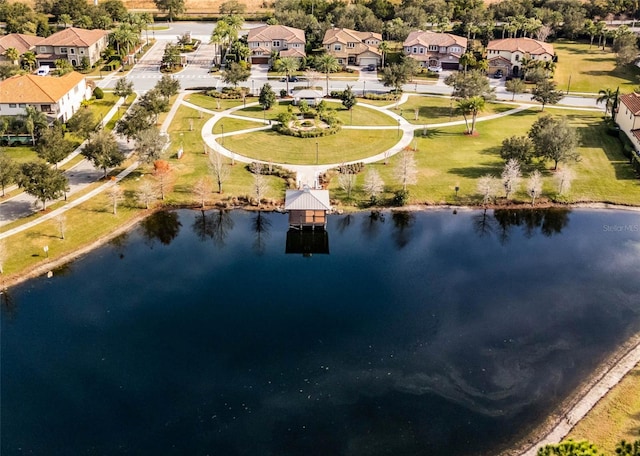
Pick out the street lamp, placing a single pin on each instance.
(398, 127)
(252, 91)
(317, 152)
(222, 139)
(364, 88)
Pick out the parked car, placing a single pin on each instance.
(498, 74)
(435, 69)
(371, 67)
(291, 79)
(43, 70)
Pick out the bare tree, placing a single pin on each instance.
(564, 177)
(61, 221)
(3, 256)
(347, 182)
(488, 188)
(511, 176)
(164, 177)
(147, 192)
(373, 185)
(312, 77)
(260, 183)
(405, 171)
(534, 186)
(115, 193)
(219, 168)
(201, 189)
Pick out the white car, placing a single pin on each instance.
(43, 70)
(434, 69)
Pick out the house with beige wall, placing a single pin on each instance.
(20, 42)
(508, 54)
(72, 44)
(435, 50)
(351, 47)
(265, 40)
(58, 97)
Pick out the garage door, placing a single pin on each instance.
(364, 61)
(259, 60)
(449, 66)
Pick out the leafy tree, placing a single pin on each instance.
(349, 100)
(373, 185)
(136, 120)
(171, 57)
(570, 448)
(398, 74)
(149, 144)
(515, 86)
(470, 84)
(405, 170)
(608, 97)
(520, 148)
(545, 92)
(147, 192)
(167, 86)
(163, 174)
(28, 60)
(554, 139)
(124, 88)
(511, 176)
(8, 171)
(153, 102)
(8, 70)
(219, 169)
(232, 7)
(267, 97)
(287, 65)
(171, 7)
(42, 182)
(35, 122)
(12, 55)
(103, 151)
(326, 63)
(471, 106)
(82, 122)
(52, 146)
(624, 448)
(115, 8)
(63, 66)
(236, 72)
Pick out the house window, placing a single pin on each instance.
(81, 51)
(517, 57)
(43, 49)
(455, 49)
(45, 108)
(433, 47)
(63, 50)
(12, 105)
(351, 45)
(275, 43)
(421, 50)
(72, 51)
(415, 50)
(22, 105)
(337, 47)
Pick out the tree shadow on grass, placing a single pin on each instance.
(596, 137)
(477, 171)
(434, 133)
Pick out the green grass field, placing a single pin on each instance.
(584, 69)
(433, 110)
(207, 102)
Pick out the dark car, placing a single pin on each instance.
(371, 67)
(498, 74)
(291, 79)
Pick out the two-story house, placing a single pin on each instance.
(351, 47)
(269, 39)
(628, 117)
(435, 50)
(58, 97)
(507, 55)
(72, 44)
(21, 43)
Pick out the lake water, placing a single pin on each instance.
(416, 334)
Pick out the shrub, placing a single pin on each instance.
(315, 133)
(98, 93)
(283, 93)
(400, 197)
(336, 94)
(352, 168)
(381, 96)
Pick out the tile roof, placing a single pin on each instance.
(439, 39)
(18, 41)
(73, 36)
(525, 45)
(636, 134)
(345, 36)
(292, 52)
(317, 200)
(276, 32)
(29, 88)
(632, 102)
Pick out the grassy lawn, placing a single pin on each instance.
(21, 154)
(207, 102)
(345, 146)
(592, 69)
(447, 158)
(362, 116)
(230, 124)
(376, 102)
(100, 108)
(615, 417)
(433, 110)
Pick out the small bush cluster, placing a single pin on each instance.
(98, 93)
(381, 96)
(336, 94)
(352, 168)
(315, 133)
(229, 93)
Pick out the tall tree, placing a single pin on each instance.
(82, 122)
(349, 100)
(42, 182)
(287, 65)
(124, 88)
(37, 122)
(373, 185)
(267, 97)
(202, 189)
(515, 86)
(8, 171)
(511, 176)
(29, 60)
(554, 139)
(545, 92)
(347, 181)
(172, 7)
(53, 147)
(384, 48)
(405, 170)
(608, 97)
(398, 74)
(163, 174)
(471, 84)
(168, 86)
(219, 168)
(326, 63)
(236, 72)
(103, 151)
(149, 144)
(520, 148)
(12, 55)
(534, 186)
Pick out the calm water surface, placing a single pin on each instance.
(418, 334)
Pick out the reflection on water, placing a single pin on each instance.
(417, 329)
(163, 226)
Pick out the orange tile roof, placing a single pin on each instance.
(437, 39)
(276, 32)
(18, 41)
(632, 102)
(73, 36)
(345, 35)
(525, 45)
(29, 88)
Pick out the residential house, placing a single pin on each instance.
(269, 39)
(435, 50)
(307, 208)
(628, 118)
(58, 97)
(22, 43)
(351, 47)
(509, 54)
(72, 44)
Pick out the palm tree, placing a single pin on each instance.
(12, 54)
(326, 63)
(287, 65)
(146, 18)
(608, 97)
(219, 36)
(34, 121)
(590, 29)
(65, 20)
(470, 106)
(383, 47)
(29, 59)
